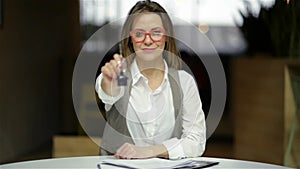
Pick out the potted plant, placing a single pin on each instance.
(259, 89)
(275, 30)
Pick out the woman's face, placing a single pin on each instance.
(147, 36)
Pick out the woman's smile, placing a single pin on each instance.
(148, 50)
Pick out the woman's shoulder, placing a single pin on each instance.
(184, 75)
(186, 79)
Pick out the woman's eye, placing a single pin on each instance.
(156, 33)
(139, 34)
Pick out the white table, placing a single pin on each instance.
(92, 161)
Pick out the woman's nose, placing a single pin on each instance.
(148, 39)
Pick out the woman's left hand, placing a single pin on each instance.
(130, 151)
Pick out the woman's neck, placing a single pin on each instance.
(152, 70)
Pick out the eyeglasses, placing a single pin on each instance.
(139, 36)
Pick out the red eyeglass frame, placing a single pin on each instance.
(147, 33)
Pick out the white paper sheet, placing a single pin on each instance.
(155, 163)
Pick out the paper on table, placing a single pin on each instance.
(157, 163)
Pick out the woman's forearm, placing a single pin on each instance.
(160, 151)
(130, 151)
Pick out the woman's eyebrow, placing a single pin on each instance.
(140, 29)
(157, 28)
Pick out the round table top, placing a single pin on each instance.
(92, 161)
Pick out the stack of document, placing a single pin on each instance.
(155, 163)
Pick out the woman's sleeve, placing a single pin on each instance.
(107, 99)
(193, 139)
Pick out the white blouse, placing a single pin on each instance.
(151, 117)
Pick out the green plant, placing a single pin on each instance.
(276, 30)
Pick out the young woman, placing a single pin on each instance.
(159, 112)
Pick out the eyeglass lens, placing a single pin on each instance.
(139, 35)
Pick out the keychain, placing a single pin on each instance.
(121, 71)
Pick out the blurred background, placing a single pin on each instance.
(258, 42)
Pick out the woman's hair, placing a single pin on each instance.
(171, 52)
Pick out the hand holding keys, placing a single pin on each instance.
(121, 71)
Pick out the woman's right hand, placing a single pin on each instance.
(109, 82)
